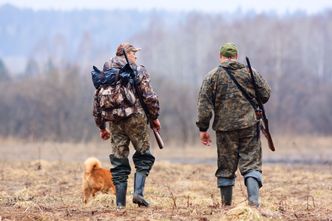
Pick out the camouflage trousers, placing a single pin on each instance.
(133, 129)
(239, 148)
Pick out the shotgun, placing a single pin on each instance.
(265, 126)
(127, 68)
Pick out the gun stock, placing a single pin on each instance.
(158, 138)
(266, 132)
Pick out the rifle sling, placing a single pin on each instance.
(243, 91)
(246, 95)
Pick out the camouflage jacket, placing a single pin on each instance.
(220, 95)
(149, 96)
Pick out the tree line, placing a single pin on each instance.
(53, 100)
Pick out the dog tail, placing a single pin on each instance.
(90, 164)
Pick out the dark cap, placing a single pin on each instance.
(229, 50)
(128, 48)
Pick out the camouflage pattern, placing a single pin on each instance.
(127, 120)
(117, 102)
(239, 147)
(235, 120)
(228, 50)
(149, 96)
(97, 111)
(220, 95)
(133, 129)
(124, 102)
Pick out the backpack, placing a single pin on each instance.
(115, 97)
(108, 77)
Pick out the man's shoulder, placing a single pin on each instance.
(141, 68)
(213, 74)
(142, 72)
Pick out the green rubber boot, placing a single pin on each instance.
(253, 191)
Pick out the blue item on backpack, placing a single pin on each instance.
(108, 77)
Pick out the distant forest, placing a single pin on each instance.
(46, 59)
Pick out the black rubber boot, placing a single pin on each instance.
(253, 191)
(226, 193)
(121, 191)
(139, 189)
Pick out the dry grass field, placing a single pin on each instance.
(42, 181)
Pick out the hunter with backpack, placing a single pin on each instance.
(125, 99)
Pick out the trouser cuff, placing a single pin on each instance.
(221, 182)
(254, 174)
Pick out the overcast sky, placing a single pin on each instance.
(280, 6)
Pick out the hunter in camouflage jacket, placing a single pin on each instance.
(235, 123)
(219, 95)
(149, 96)
(130, 125)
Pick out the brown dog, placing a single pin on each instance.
(96, 178)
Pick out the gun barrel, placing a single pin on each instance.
(125, 54)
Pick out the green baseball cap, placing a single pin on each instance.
(228, 50)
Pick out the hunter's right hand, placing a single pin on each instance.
(205, 138)
(105, 134)
(156, 125)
